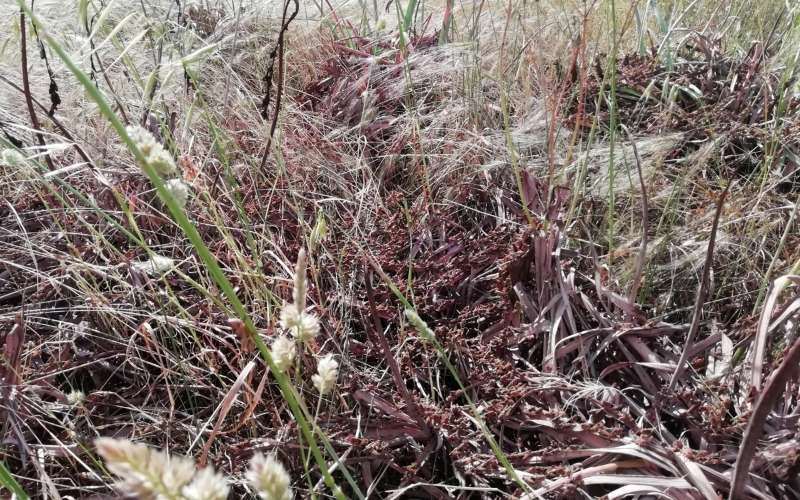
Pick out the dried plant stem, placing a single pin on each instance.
(278, 52)
(397, 376)
(27, 87)
(700, 299)
(755, 427)
(636, 280)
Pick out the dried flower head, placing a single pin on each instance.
(76, 398)
(155, 266)
(144, 472)
(154, 153)
(327, 373)
(207, 485)
(300, 281)
(269, 478)
(11, 157)
(302, 325)
(283, 352)
(179, 190)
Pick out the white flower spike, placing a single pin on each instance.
(301, 325)
(154, 153)
(327, 373)
(269, 478)
(300, 281)
(179, 190)
(207, 485)
(144, 472)
(284, 350)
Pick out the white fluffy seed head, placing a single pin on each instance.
(301, 325)
(144, 472)
(284, 350)
(309, 327)
(269, 478)
(177, 473)
(155, 154)
(327, 373)
(76, 398)
(11, 157)
(207, 485)
(143, 138)
(179, 190)
(290, 317)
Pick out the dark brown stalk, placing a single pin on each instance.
(60, 126)
(9, 368)
(55, 99)
(277, 51)
(636, 281)
(27, 88)
(701, 293)
(788, 369)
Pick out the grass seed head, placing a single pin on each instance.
(144, 472)
(300, 285)
(155, 266)
(76, 398)
(179, 190)
(284, 350)
(419, 324)
(207, 485)
(155, 154)
(327, 373)
(11, 157)
(301, 325)
(269, 478)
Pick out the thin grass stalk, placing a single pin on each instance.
(776, 256)
(612, 128)
(636, 281)
(447, 22)
(428, 335)
(700, 298)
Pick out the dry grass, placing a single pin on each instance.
(479, 182)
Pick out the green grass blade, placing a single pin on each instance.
(8, 481)
(408, 15)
